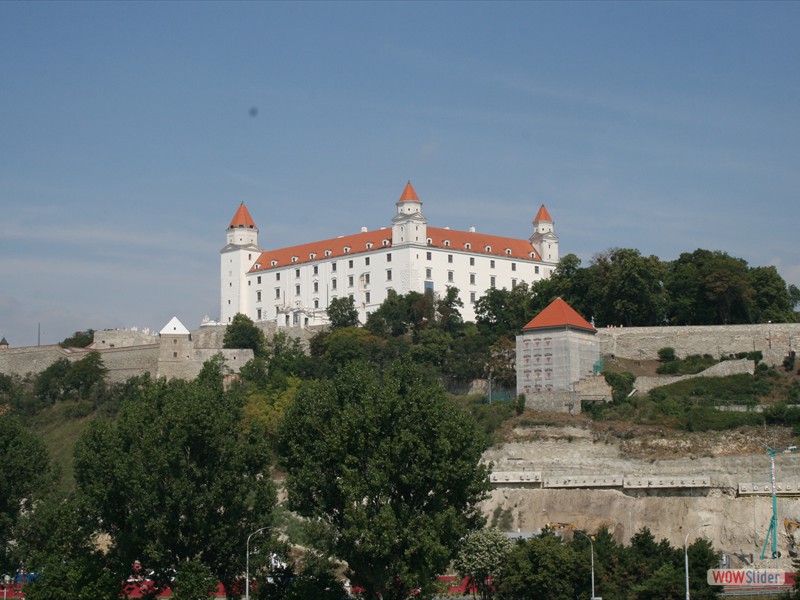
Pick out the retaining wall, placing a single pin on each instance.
(723, 369)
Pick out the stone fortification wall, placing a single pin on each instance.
(124, 363)
(774, 340)
(121, 338)
(723, 369)
(189, 368)
(211, 336)
(555, 401)
(33, 359)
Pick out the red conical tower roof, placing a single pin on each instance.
(543, 215)
(409, 195)
(242, 218)
(559, 314)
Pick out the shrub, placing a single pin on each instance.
(666, 354)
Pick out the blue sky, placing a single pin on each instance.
(127, 140)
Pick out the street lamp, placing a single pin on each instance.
(247, 562)
(591, 549)
(686, 554)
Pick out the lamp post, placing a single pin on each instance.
(686, 554)
(247, 562)
(591, 550)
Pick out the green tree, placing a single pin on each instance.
(79, 339)
(193, 581)
(56, 541)
(772, 300)
(176, 477)
(392, 469)
(342, 312)
(482, 559)
(241, 332)
(501, 312)
(86, 376)
(544, 568)
(50, 385)
(24, 475)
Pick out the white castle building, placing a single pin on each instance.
(293, 286)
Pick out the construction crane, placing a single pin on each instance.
(772, 532)
(789, 527)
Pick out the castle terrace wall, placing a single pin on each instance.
(723, 369)
(124, 363)
(32, 359)
(121, 338)
(774, 340)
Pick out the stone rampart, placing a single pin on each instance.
(124, 363)
(31, 359)
(121, 338)
(727, 367)
(773, 340)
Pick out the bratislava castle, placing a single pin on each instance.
(293, 286)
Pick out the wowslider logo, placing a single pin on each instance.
(745, 577)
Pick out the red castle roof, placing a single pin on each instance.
(409, 195)
(242, 218)
(559, 314)
(543, 215)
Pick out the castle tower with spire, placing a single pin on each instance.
(294, 286)
(236, 259)
(544, 238)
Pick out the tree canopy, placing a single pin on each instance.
(176, 477)
(391, 467)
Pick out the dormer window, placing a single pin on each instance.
(447, 243)
(294, 259)
(430, 241)
(347, 249)
(312, 256)
(273, 263)
(369, 245)
(508, 251)
(385, 243)
(258, 266)
(488, 248)
(532, 254)
(468, 246)
(327, 252)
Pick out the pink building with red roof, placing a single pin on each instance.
(558, 360)
(293, 286)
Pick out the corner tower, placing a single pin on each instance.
(409, 225)
(544, 238)
(236, 258)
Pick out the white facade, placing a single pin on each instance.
(294, 285)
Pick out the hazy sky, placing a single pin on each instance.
(130, 132)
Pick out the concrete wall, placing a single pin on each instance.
(774, 340)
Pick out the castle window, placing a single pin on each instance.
(273, 263)
(472, 278)
(312, 256)
(388, 274)
(492, 281)
(316, 286)
(366, 278)
(450, 276)
(385, 243)
(174, 355)
(447, 243)
(316, 303)
(472, 297)
(508, 251)
(369, 245)
(333, 267)
(513, 283)
(430, 241)
(488, 248)
(389, 257)
(277, 293)
(297, 273)
(367, 297)
(536, 269)
(294, 259)
(450, 258)
(248, 283)
(258, 279)
(258, 313)
(297, 290)
(513, 266)
(333, 284)
(468, 246)
(428, 255)
(316, 269)
(174, 341)
(428, 273)
(349, 264)
(258, 296)
(366, 261)
(471, 261)
(347, 249)
(350, 281)
(491, 264)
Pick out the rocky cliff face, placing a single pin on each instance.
(739, 523)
